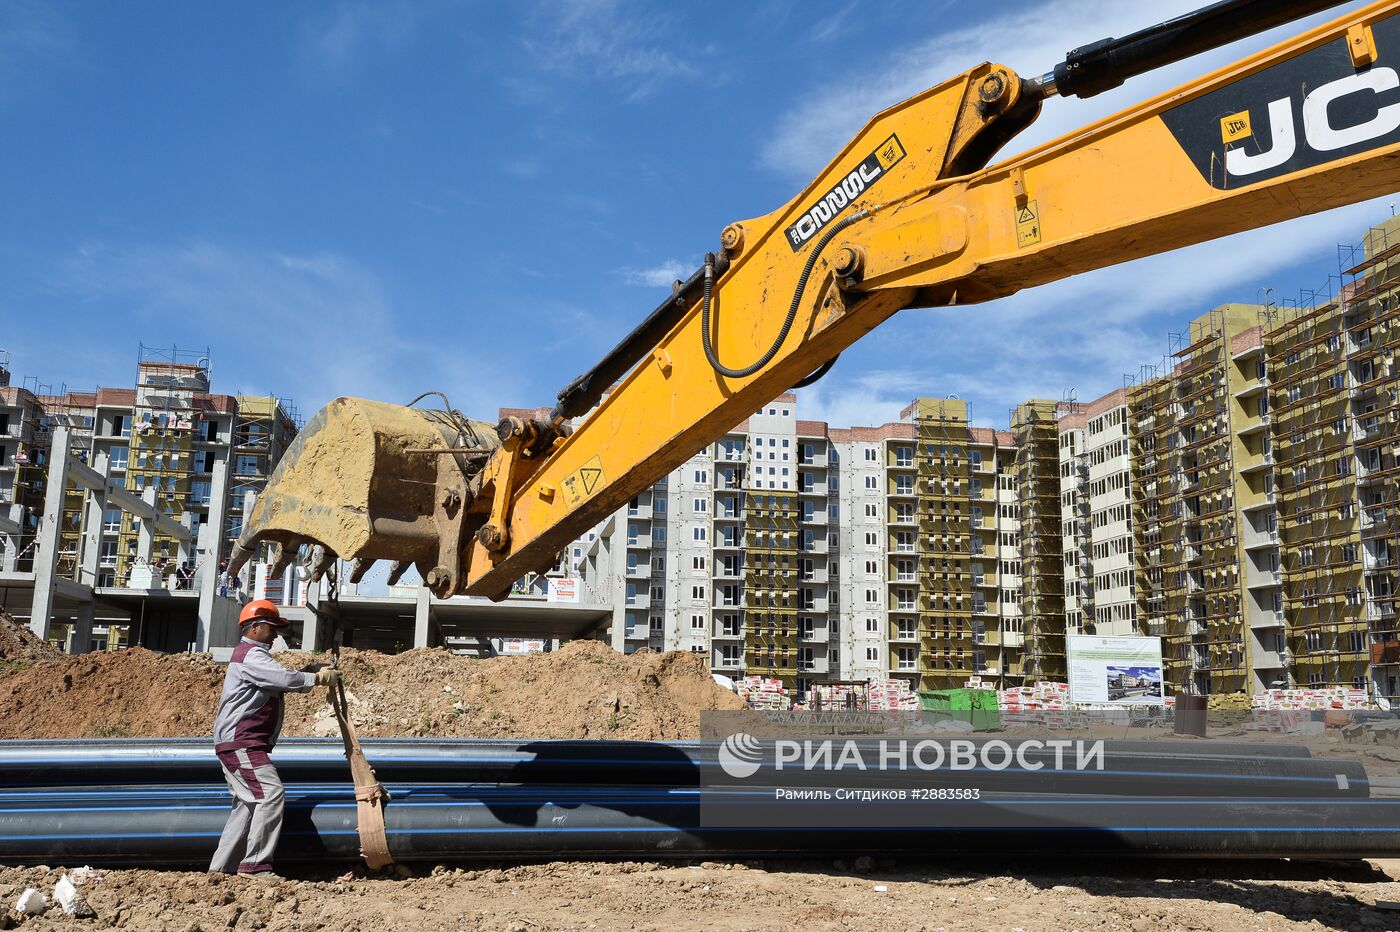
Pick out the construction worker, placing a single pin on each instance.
(245, 730)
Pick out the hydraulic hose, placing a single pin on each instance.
(787, 321)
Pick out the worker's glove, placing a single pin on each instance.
(328, 677)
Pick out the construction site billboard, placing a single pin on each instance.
(1117, 670)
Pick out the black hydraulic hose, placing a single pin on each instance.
(821, 372)
(792, 308)
(576, 398)
(1100, 66)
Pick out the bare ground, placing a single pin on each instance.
(1150, 897)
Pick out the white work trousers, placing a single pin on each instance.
(254, 824)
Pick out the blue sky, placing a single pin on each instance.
(379, 200)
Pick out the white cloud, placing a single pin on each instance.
(835, 24)
(34, 38)
(312, 326)
(337, 42)
(610, 40)
(657, 276)
(865, 400)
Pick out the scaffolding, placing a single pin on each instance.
(264, 428)
(946, 603)
(1036, 435)
(1076, 519)
(770, 584)
(1369, 308)
(169, 457)
(1317, 517)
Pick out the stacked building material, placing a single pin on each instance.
(1331, 697)
(763, 692)
(892, 696)
(1042, 696)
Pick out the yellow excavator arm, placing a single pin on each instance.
(906, 216)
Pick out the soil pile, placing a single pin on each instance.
(19, 645)
(585, 690)
(112, 694)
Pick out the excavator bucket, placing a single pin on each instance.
(368, 481)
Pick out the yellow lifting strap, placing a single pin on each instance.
(370, 796)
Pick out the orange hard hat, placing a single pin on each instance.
(261, 610)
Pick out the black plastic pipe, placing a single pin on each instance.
(1167, 769)
(179, 825)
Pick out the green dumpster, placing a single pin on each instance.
(977, 707)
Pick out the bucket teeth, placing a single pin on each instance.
(359, 568)
(397, 570)
(282, 557)
(322, 558)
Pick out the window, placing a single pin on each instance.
(872, 482)
(872, 597)
(870, 456)
(872, 654)
(702, 475)
(697, 622)
(872, 510)
(697, 592)
(246, 466)
(698, 533)
(117, 457)
(700, 506)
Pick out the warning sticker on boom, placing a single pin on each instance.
(1027, 224)
(582, 482)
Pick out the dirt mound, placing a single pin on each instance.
(19, 645)
(112, 694)
(585, 690)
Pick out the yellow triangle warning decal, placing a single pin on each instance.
(1026, 215)
(584, 481)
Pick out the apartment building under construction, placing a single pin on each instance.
(811, 553)
(190, 452)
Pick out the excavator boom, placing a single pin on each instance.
(906, 216)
